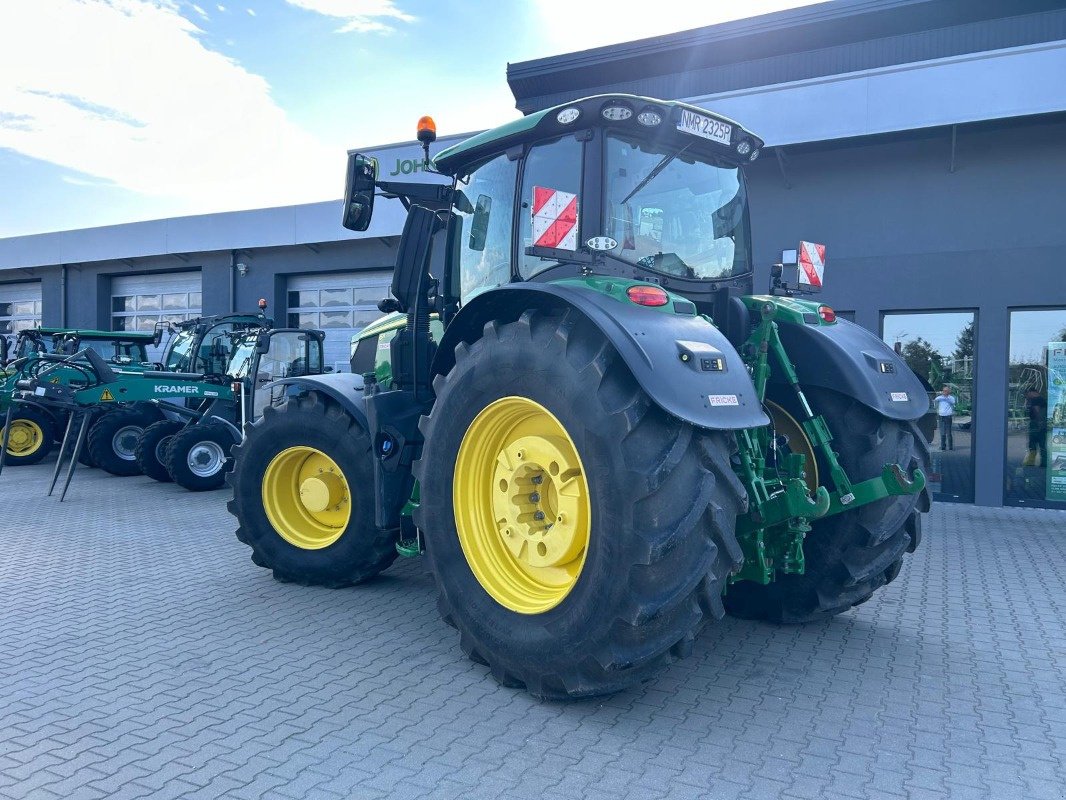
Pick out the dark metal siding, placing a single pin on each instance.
(682, 65)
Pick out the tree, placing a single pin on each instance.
(923, 358)
(964, 342)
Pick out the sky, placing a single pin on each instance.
(121, 110)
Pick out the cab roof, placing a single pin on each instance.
(110, 336)
(453, 160)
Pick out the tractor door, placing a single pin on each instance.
(282, 353)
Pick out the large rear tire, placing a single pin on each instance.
(303, 496)
(199, 456)
(850, 555)
(114, 436)
(152, 448)
(31, 437)
(640, 547)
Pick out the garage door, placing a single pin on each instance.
(138, 302)
(341, 304)
(20, 308)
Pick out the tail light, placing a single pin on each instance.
(827, 314)
(644, 295)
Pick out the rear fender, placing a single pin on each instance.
(665, 352)
(849, 359)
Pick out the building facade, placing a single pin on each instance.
(923, 141)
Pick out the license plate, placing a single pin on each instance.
(707, 127)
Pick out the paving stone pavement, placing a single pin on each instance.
(143, 655)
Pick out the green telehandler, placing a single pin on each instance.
(614, 441)
(205, 413)
(35, 427)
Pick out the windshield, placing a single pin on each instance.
(179, 351)
(675, 213)
(241, 358)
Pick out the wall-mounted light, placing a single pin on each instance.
(242, 268)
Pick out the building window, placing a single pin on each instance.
(141, 312)
(1036, 409)
(940, 348)
(19, 315)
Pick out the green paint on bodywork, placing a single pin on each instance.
(616, 289)
(789, 309)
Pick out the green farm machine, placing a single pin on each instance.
(610, 441)
(35, 427)
(181, 426)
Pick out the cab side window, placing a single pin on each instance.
(551, 189)
(485, 206)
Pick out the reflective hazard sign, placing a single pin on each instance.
(811, 264)
(554, 219)
(106, 395)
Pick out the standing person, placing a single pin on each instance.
(945, 411)
(1036, 411)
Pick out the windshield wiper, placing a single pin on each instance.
(655, 171)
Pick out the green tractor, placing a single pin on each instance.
(36, 427)
(204, 413)
(199, 347)
(612, 442)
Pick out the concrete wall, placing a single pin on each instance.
(905, 233)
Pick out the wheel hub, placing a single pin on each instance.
(124, 442)
(535, 500)
(522, 505)
(205, 459)
(25, 437)
(322, 491)
(306, 497)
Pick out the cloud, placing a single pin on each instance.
(200, 11)
(359, 16)
(138, 100)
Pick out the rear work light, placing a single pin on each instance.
(827, 314)
(644, 295)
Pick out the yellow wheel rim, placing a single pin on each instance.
(306, 498)
(25, 439)
(786, 425)
(521, 504)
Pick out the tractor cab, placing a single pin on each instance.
(260, 358)
(202, 345)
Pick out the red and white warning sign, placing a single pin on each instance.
(811, 264)
(554, 219)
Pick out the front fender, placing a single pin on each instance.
(667, 353)
(849, 359)
(344, 387)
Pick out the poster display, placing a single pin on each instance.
(1056, 421)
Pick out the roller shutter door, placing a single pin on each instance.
(20, 308)
(138, 302)
(341, 304)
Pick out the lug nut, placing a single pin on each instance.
(538, 515)
(538, 479)
(535, 497)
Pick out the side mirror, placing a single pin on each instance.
(157, 334)
(359, 191)
(3, 351)
(262, 344)
(479, 224)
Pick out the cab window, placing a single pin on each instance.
(551, 188)
(485, 207)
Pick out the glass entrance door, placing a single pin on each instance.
(940, 348)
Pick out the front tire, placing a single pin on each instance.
(31, 437)
(152, 448)
(198, 457)
(850, 555)
(113, 439)
(596, 611)
(324, 535)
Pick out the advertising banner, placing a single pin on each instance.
(1056, 421)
